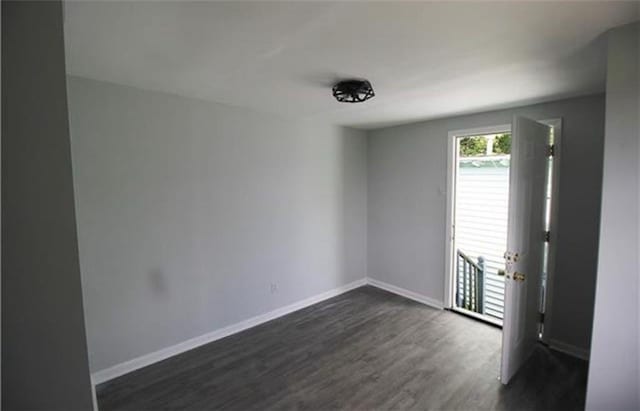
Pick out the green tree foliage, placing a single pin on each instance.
(502, 144)
(473, 146)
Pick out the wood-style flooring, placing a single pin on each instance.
(363, 350)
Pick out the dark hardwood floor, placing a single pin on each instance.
(363, 350)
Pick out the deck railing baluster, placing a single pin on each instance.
(470, 283)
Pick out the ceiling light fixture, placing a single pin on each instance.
(353, 91)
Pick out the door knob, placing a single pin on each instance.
(518, 276)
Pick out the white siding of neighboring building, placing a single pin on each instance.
(482, 196)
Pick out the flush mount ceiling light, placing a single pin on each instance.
(353, 91)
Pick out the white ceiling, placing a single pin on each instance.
(425, 60)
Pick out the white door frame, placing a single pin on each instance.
(452, 160)
(554, 223)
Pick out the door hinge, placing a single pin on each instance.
(541, 317)
(547, 236)
(551, 150)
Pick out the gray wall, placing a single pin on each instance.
(613, 373)
(188, 211)
(44, 353)
(407, 201)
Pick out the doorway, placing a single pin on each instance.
(480, 215)
(477, 218)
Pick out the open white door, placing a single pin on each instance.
(525, 240)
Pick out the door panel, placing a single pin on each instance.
(525, 240)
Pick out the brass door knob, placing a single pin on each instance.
(518, 276)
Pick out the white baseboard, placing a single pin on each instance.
(406, 293)
(572, 350)
(94, 396)
(117, 370)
